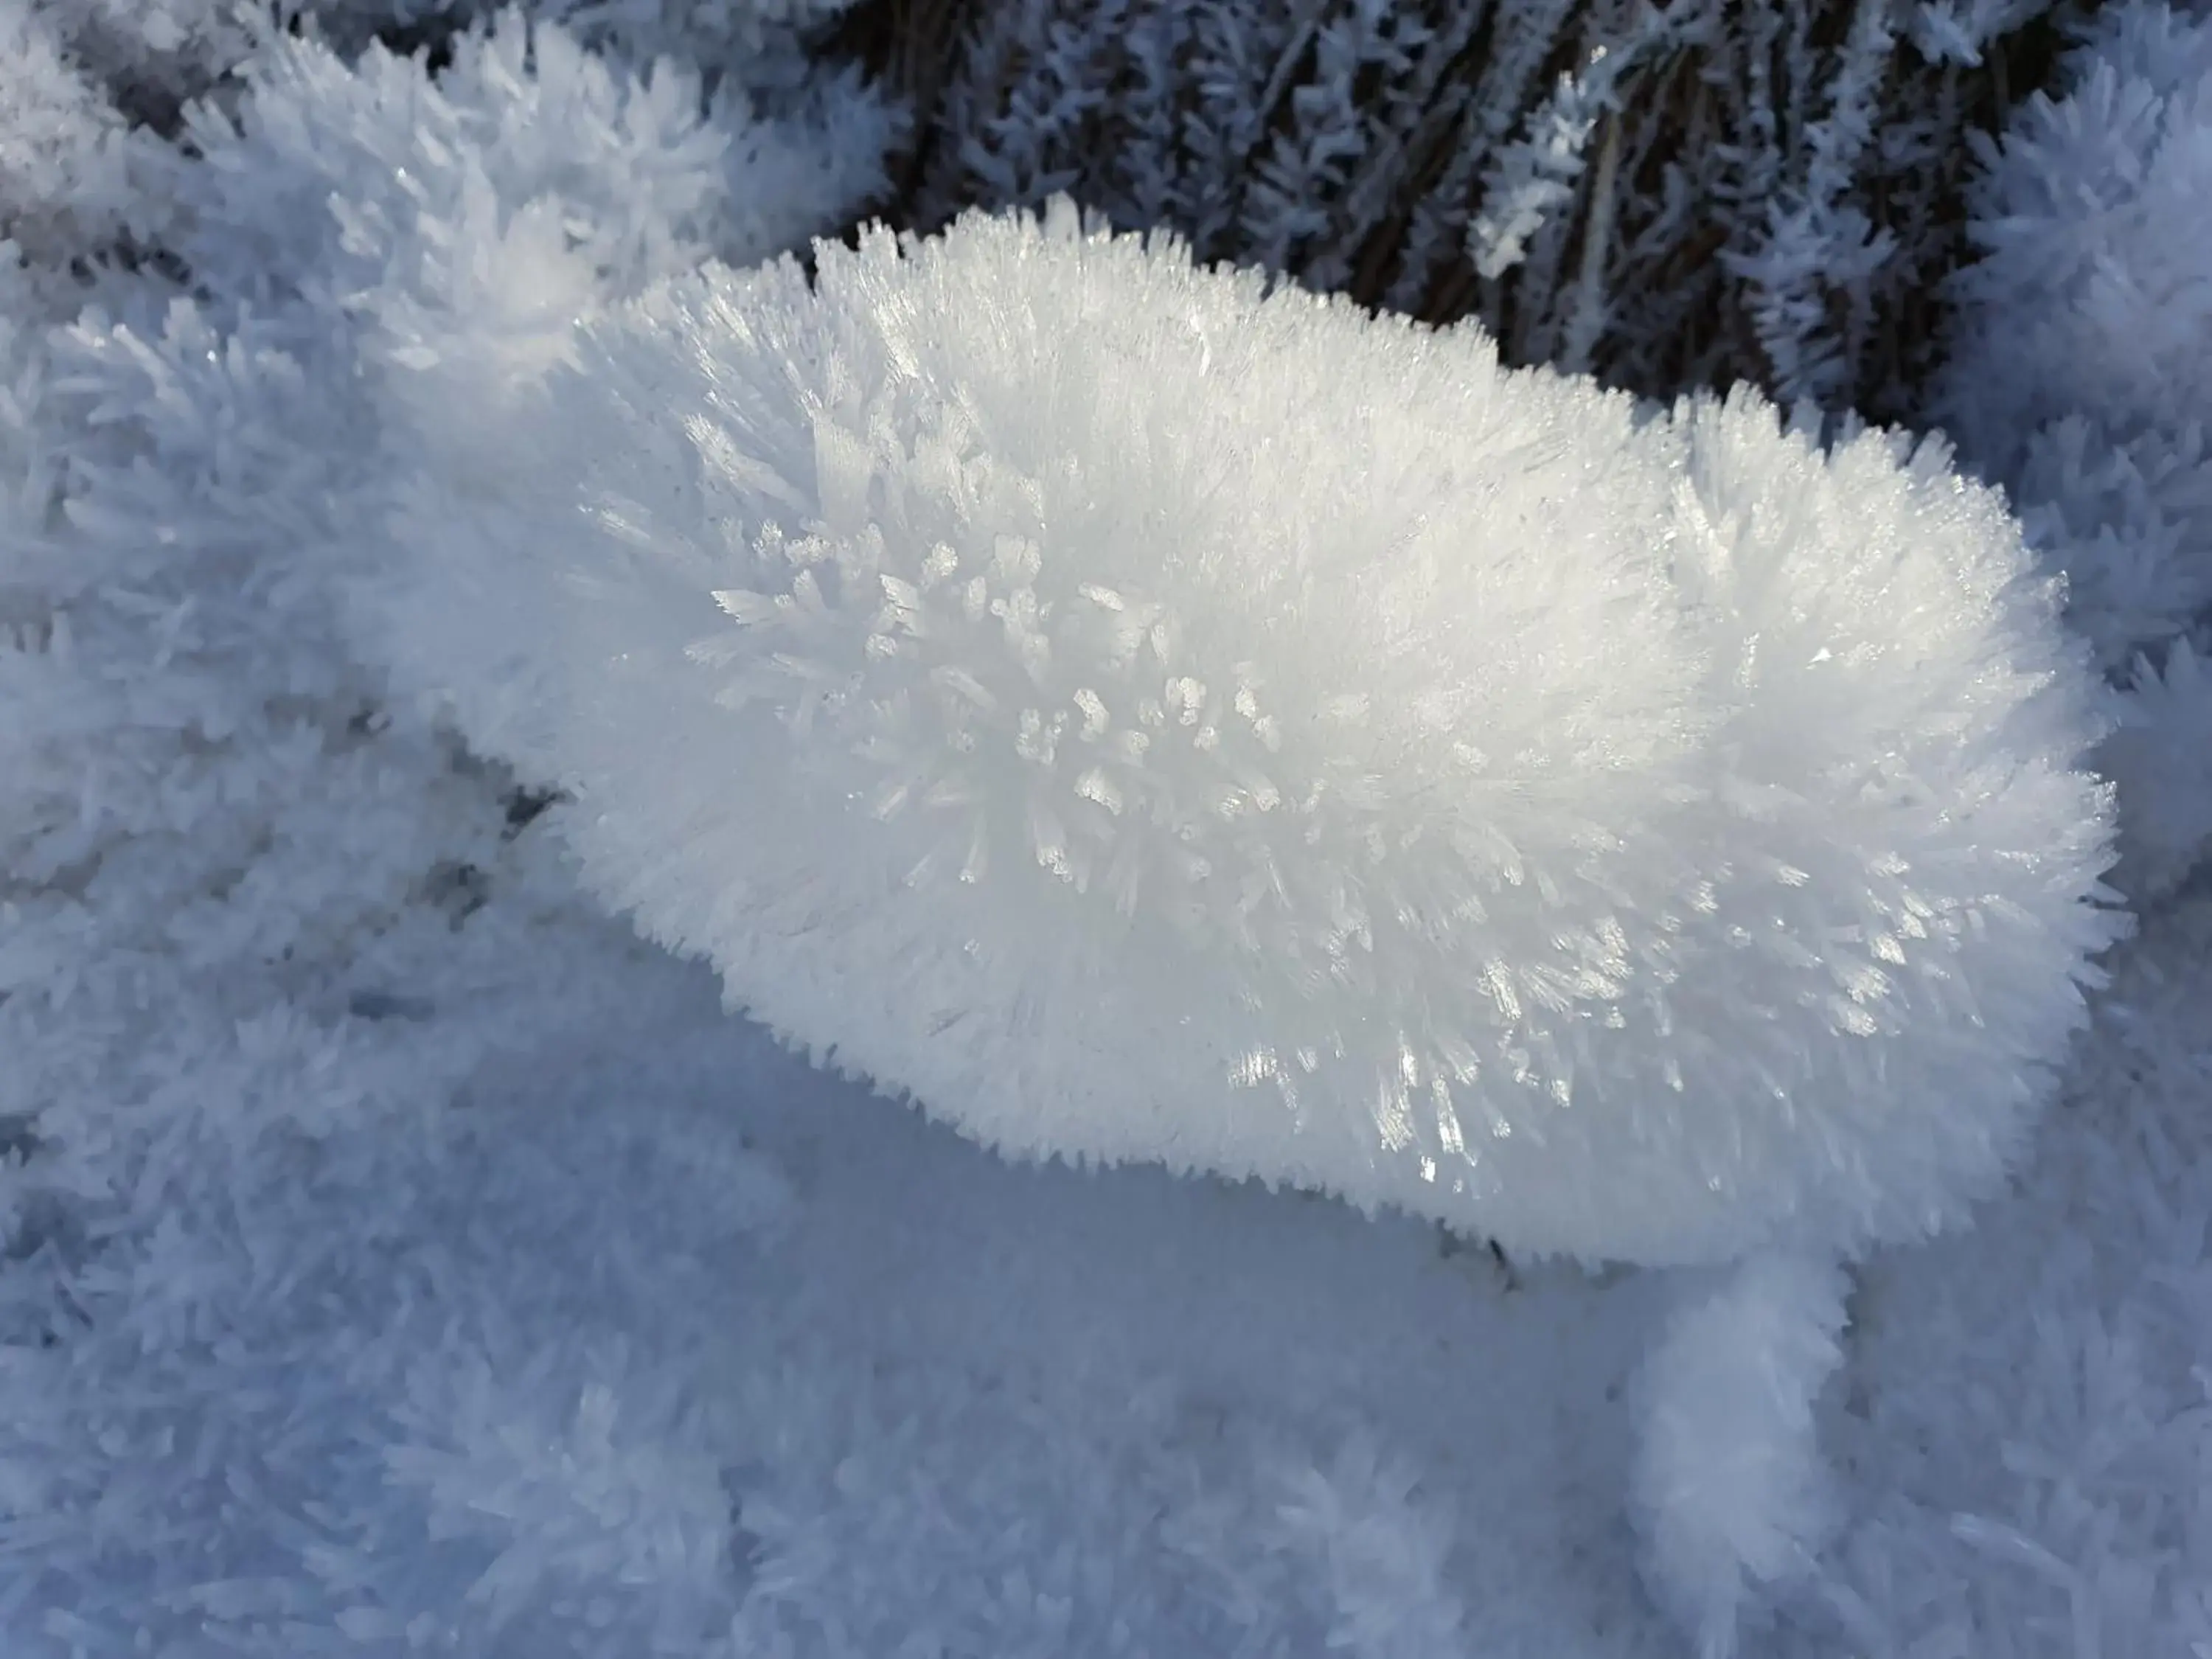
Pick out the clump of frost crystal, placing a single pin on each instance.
(1151, 717)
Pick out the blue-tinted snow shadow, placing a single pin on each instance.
(1220, 1309)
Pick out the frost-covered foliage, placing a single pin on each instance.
(108, 108)
(479, 211)
(397, 1256)
(191, 472)
(1675, 195)
(71, 166)
(2082, 380)
(155, 54)
(756, 41)
(1148, 719)
(246, 948)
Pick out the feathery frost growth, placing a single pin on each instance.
(1729, 1482)
(154, 56)
(477, 210)
(2082, 380)
(1670, 195)
(396, 1253)
(1151, 719)
(247, 956)
(73, 171)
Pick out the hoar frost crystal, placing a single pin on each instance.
(1148, 717)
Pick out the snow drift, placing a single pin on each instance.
(1149, 717)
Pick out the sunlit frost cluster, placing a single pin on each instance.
(1147, 717)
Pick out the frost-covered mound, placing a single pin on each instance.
(1151, 719)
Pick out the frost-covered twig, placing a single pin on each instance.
(1788, 175)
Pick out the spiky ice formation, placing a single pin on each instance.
(1150, 718)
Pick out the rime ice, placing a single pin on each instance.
(1148, 718)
